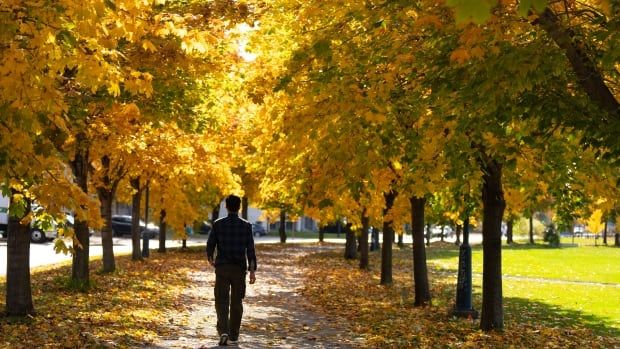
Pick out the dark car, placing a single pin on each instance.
(121, 225)
(205, 228)
(258, 230)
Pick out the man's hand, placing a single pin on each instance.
(252, 277)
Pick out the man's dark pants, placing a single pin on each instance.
(229, 293)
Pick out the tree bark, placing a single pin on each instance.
(79, 270)
(321, 234)
(350, 247)
(588, 75)
(459, 229)
(107, 243)
(605, 233)
(244, 207)
(442, 231)
(532, 228)
(420, 271)
(282, 229)
(388, 238)
(162, 231)
(136, 253)
(509, 229)
(493, 209)
(401, 242)
(215, 214)
(364, 241)
(18, 286)
(428, 234)
(106, 194)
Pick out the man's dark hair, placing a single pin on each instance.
(233, 203)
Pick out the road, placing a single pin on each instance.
(44, 254)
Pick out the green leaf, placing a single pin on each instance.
(110, 4)
(325, 203)
(322, 48)
(477, 11)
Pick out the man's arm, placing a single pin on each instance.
(251, 254)
(211, 243)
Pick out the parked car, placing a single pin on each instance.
(121, 225)
(205, 228)
(41, 232)
(258, 230)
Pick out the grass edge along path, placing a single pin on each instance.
(387, 318)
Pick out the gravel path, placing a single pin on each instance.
(275, 314)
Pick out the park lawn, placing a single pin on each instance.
(537, 315)
(584, 263)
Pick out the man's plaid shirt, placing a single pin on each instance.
(234, 241)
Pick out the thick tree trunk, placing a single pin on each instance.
(244, 207)
(388, 238)
(493, 210)
(605, 233)
(420, 271)
(106, 196)
(509, 229)
(459, 229)
(321, 234)
(350, 247)
(136, 253)
(588, 75)
(617, 240)
(532, 229)
(107, 243)
(282, 229)
(18, 287)
(162, 231)
(364, 241)
(80, 271)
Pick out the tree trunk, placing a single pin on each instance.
(532, 229)
(493, 209)
(79, 271)
(388, 238)
(401, 242)
(162, 231)
(136, 253)
(459, 229)
(244, 207)
(617, 240)
(364, 241)
(605, 233)
(509, 229)
(107, 243)
(215, 214)
(18, 287)
(282, 229)
(420, 271)
(428, 234)
(442, 230)
(588, 75)
(350, 247)
(321, 234)
(146, 237)
(374, 238)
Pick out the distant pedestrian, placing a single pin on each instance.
(232, 237)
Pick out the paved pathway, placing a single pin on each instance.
(275, 314)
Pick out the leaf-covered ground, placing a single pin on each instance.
(387, 318)
(167, 302)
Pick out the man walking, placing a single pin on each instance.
(232, 236)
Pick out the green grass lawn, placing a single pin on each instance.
(569, 284)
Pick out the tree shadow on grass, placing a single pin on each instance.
(522, 310)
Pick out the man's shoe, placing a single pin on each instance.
(223, 339)
(233, 341)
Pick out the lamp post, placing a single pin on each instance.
(464, 307)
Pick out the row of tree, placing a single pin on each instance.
(103, 99)
(370, 110)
